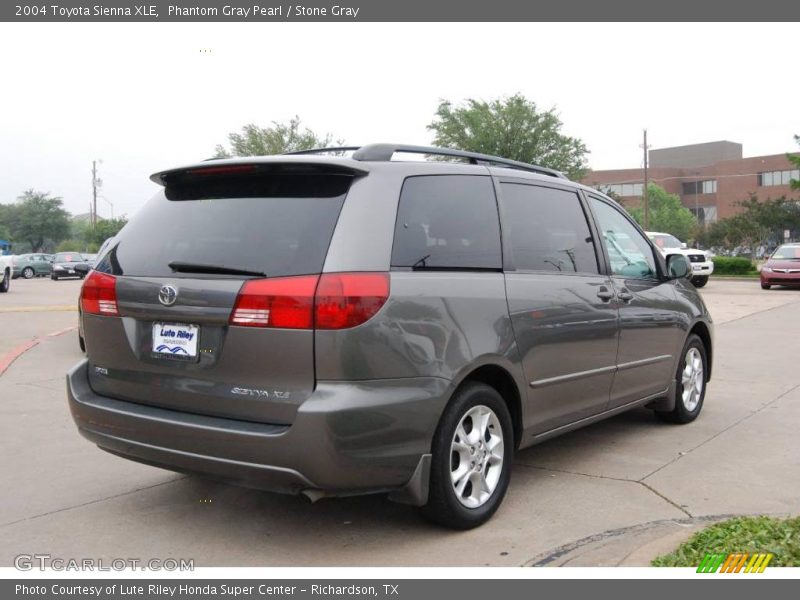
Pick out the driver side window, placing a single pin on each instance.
(629, 252)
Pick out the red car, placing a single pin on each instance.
(782, 268)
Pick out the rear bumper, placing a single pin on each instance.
(347, 439)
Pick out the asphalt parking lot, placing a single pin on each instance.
(64, 497)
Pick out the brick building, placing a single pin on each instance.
(711, 178)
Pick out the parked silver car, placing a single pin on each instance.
(332, 325)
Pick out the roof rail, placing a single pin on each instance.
(385, 152)
(324, 150)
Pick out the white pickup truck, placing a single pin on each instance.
(701, 263)
(5, 273)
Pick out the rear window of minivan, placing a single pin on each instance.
(278, 224)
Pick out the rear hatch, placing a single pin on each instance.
(158, 312)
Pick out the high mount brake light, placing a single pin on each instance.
(328, 301)
(99, 294)
(222, 170)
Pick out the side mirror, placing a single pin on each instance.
(684, 246)
(678, 267)
(82, 268)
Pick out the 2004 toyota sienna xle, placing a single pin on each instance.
(332, 325)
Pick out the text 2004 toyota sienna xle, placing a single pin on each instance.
(334, 326)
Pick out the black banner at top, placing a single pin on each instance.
(397, 10)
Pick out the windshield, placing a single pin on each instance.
(787, 253)
(665, 241)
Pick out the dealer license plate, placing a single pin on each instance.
(175, 340)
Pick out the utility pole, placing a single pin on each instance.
(94, 193)
(644, 190)
(96, 183)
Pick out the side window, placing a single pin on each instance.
(447, 221)
(629, 253)
(547, 229)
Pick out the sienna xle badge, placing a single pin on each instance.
(331, 326)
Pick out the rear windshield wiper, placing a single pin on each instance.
(187, 267)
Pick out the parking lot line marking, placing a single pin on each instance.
(62, 331)
(54, 307)
(9, 357)
(15, 353)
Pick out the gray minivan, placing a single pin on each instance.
(326, 325)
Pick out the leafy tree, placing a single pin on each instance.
(666, 213)
(795, 160)
(277, 139)
(759, 224)
(38, 219)
(512, 128)
(103, 229)
(5, 219)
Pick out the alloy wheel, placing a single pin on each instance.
(476, 456)
(692, 379)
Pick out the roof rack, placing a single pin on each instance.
(385, 152)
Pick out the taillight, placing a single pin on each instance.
(99, 294)
(329, 301)
(284, 302)
(349, 299)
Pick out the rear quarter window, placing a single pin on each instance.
(447, 222)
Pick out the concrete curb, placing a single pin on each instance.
(633, 546)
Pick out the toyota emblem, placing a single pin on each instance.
(167, 295)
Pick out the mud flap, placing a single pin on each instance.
(415, 491)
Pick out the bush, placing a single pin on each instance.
(733, 265)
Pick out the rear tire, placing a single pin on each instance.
(6, 284)
(82, 343)
(691, 378)
(28, 273)
(473, 449)
(765, 286)
(699, 281)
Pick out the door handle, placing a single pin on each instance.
(605, 294)
(625, 295)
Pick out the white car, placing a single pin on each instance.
(6, 271)
(702, 265)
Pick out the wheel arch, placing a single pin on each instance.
(499, 378)
(702, 331)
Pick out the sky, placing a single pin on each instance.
(146, 97)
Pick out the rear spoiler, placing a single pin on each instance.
(261, 165)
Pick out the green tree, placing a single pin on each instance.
(666, 213)
(277, 139)
(38, 219)
(512, 128)
(795, 160)
(103, 229)
(5, 219)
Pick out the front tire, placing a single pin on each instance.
(473, 449)
(699, 281)
(691, 383)
(765, 286)
(54, 277)
(6, 284)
